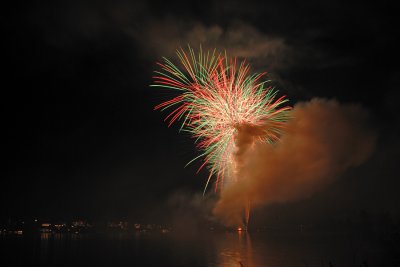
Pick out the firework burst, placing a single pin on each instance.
(216, 97)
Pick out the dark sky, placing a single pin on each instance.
(82, 138)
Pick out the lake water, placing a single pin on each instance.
(227, 249)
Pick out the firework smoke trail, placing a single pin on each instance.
(217, 99)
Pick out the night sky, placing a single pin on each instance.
(82, 138)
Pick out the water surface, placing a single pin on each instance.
(226, 249)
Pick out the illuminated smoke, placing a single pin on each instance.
(321, 141)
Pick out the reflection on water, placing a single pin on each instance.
(228, 249)
(256, 250)
(233, 250)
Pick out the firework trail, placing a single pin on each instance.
(217, 99)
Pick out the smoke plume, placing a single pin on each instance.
(322, 139)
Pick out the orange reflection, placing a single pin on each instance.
(234, 249)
